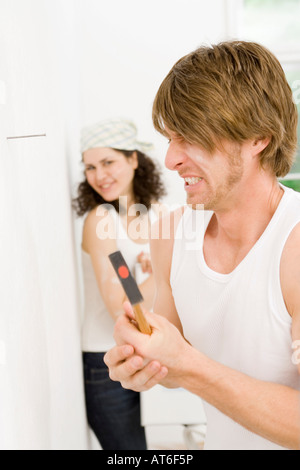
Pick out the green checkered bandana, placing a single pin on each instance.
(114, 133)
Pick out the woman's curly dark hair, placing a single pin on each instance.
(147, 187)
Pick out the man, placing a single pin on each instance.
(227, 309)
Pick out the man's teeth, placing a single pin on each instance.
(193, 180)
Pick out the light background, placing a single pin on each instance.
(65, 64)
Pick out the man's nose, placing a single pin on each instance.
(174, 157)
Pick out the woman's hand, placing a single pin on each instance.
(145, 262)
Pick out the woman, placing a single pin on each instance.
(118, 175)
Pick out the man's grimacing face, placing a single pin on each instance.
(208, 178)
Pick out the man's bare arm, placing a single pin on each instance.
(267, 409)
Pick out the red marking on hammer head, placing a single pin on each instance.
(123, 272)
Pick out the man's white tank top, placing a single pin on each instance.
(98, 325)
(238, 319)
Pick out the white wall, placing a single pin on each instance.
(41, 402)
(128, 47)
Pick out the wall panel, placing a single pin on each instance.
(42, 405)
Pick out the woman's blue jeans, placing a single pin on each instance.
(113, 412)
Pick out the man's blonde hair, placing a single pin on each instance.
(233, 91)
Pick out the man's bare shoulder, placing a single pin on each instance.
(290, 271)
(290, 282)
(292, 247)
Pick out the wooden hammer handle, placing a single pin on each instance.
(143, 325)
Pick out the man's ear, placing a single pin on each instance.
(260, 144)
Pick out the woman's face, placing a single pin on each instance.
(109, 172)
